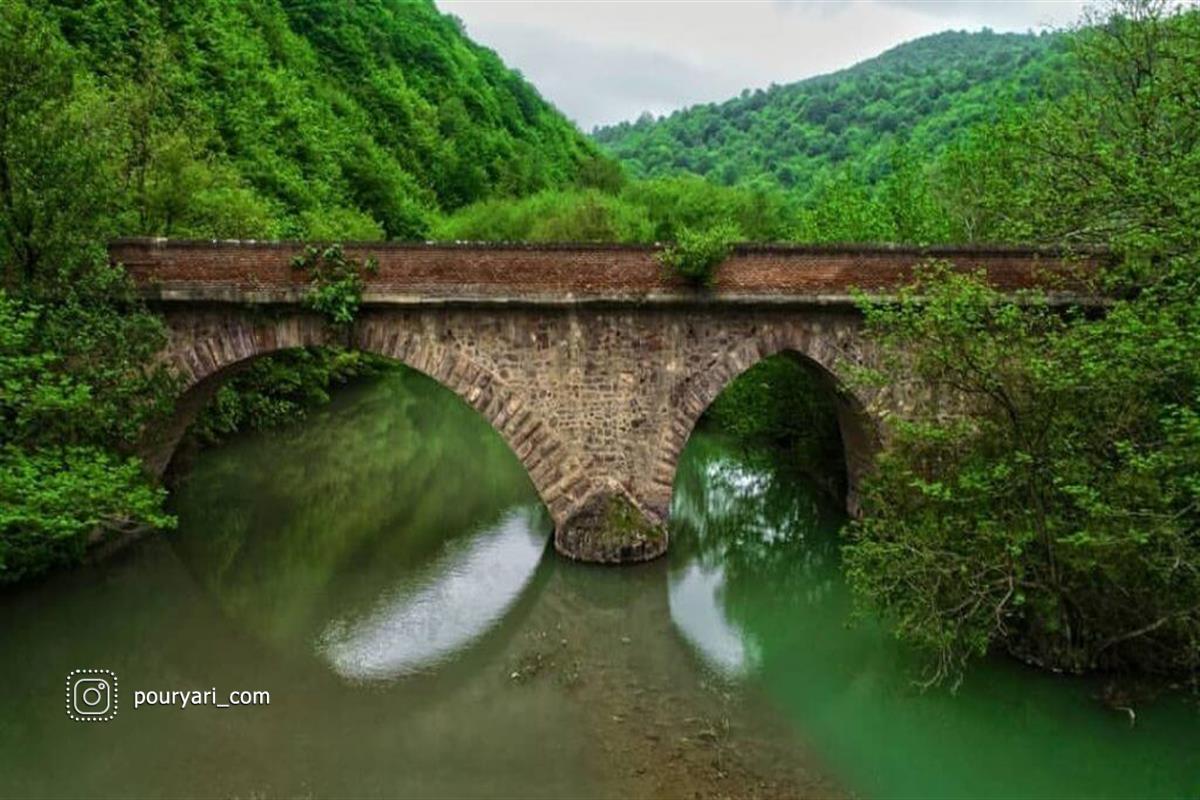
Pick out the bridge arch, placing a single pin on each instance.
(859, 427)
(204, 357)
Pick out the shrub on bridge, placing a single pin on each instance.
(336, 285)
(696, 254)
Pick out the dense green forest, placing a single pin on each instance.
(307, 119)
(921, 94)
(869, 154)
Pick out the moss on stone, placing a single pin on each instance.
(624, 524)
(611, 529)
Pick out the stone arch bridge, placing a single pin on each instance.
(591, 361)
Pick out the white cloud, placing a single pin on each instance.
(603, 61)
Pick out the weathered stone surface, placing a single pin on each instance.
(610, 527)
(591, 364)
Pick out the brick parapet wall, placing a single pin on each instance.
(262, 271)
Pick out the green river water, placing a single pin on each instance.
(383, 571)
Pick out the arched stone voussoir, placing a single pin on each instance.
(539, 448)
(205, 348)
(202, 347)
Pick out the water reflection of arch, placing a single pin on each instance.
(292, 533)
(455, 602)
(744, 521)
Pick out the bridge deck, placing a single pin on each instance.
(261, 272)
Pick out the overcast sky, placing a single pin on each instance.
(603, 61)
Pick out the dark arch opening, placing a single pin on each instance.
(792, 401)
(784, 402)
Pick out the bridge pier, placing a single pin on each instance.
(611, 527)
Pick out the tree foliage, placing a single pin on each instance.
(581, 215)
(317, 120)
(74, 388)
(1052, 508)
(1114, 163)
(59, 151)
(1050, 504)
(922, 94)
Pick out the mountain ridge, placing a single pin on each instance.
(918, 94)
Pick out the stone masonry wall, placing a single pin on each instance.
(594, 401)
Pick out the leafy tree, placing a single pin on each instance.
(644, 211)
(52, 500)
(551, 216)
(760, 212)
(67, 394)
(58, 150)
(842, 209)
(76, 383)
(1049, 504)
(1051, 509)
(302, 119)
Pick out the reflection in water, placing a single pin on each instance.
(697, 608)
(386, 533)
(741, 522)
(382, 571)
(455, 598)
(763, 545)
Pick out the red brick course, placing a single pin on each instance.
(580, 271)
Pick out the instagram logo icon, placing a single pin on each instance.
(92, 695)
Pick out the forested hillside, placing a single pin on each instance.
(922, 94)
(315, 119)
(225, 118)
